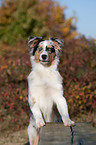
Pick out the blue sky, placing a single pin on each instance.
(85, 12)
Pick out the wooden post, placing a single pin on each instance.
(58, 134)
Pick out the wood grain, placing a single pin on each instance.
(58, 134)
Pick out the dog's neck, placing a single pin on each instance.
(45, 75)
(40, 67)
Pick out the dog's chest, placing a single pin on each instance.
(44, 85)
(45, 91)
(45, 82)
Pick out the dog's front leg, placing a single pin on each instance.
(63, 110)
(38, 116)
(36, 121)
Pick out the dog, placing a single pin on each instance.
(45, 90)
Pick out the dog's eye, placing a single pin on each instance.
(40, 49)
(49, 50)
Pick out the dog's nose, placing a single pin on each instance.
(44, 56)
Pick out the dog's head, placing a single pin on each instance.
(45, 51)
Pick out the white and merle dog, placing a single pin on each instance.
(45, 90)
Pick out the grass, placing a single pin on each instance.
(14, 138)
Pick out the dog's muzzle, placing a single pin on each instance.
(44, 57)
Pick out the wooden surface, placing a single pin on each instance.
(58, 134)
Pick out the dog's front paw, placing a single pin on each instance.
(40, 123)
(69, 122)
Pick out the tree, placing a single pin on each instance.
(19, 19)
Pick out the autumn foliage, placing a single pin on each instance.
(18, 20)
(78, 68)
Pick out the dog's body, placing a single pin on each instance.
(45, 86)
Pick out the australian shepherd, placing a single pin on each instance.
(45, 90)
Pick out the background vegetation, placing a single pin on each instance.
(20, 19)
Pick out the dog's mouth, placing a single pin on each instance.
(43, 61)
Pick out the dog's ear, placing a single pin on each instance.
(33, 42)
(58, 43)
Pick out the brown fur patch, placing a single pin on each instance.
(40, 46)
(51, 58)
(57, 48)
(33, 44)
(37, 55)
(49, 46)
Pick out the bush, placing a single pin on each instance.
(78, 68)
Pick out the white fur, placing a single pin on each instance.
(45, 89)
